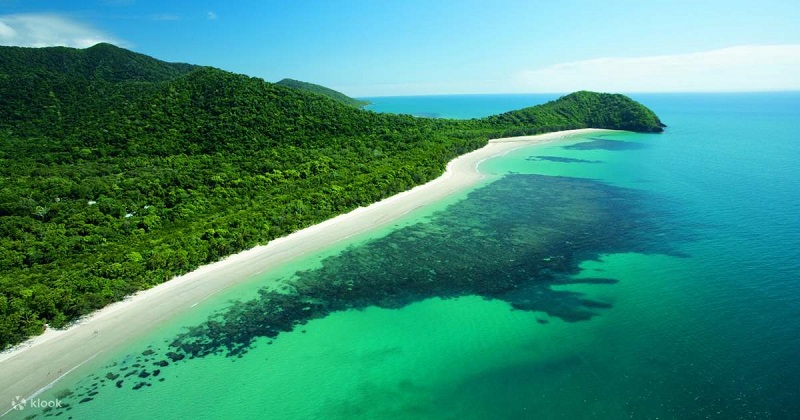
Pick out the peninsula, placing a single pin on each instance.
(121, 172)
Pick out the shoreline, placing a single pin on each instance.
(33, 367)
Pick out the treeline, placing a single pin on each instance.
(580, 110)
(119, 171)
(324, 91)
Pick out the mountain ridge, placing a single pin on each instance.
(322, 90)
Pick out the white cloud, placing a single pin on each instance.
(211, 15)
(741, 68)
(45, 30)
(6, 31)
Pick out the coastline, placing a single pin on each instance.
(35, 365)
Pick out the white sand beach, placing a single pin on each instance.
(34, 365)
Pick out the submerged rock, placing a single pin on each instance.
(175, 356)
(511, 240)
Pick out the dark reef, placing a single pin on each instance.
(606, 144)
(510, 240)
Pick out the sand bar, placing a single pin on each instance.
(34, 365)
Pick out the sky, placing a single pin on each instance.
(420, 47)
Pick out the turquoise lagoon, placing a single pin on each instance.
(606, 276)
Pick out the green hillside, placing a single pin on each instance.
(119, 171)
(101, 62)
(590, 108)
(322, 90)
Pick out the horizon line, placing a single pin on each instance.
(706, 92)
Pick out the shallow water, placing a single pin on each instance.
(622, 275)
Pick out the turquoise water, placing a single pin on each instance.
(613, 276)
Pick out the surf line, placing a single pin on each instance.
(211, 294)
(50, 385)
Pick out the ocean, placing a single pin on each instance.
(606, 276)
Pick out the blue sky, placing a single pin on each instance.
(374, 48)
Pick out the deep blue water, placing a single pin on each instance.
(728, 168)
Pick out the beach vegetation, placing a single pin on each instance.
(119, 171)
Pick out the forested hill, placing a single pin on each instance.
(594, 109)
(101, 62)
(119, 171)
(322, 90)
(37, 83)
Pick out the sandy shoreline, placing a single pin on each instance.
(37, 363)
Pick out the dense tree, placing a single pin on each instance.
(119, 171)
(322, 90)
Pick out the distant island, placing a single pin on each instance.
(121, 171)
